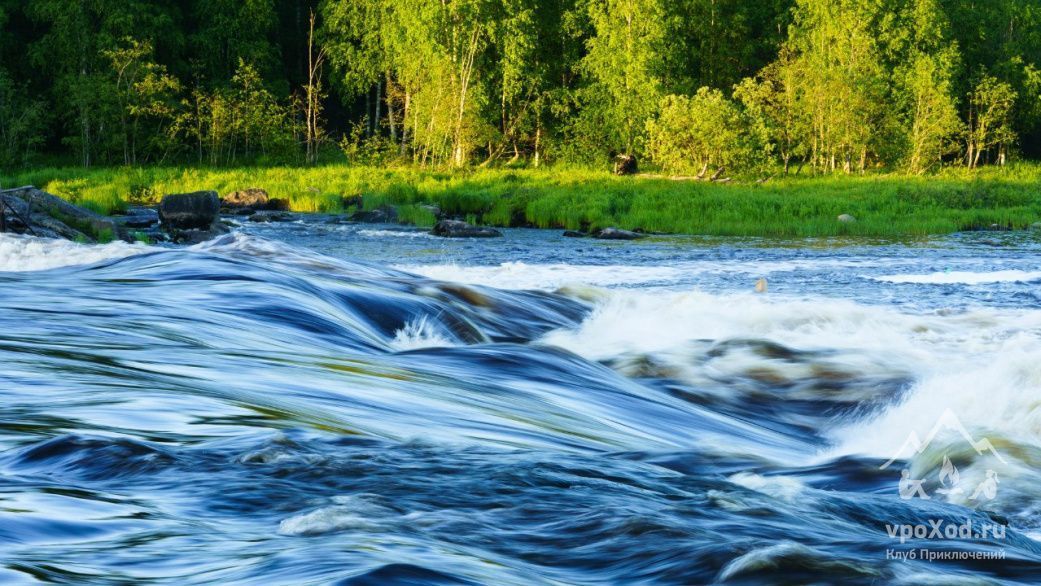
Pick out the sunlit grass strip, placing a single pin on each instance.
(884, 205)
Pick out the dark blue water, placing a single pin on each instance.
(318, 403)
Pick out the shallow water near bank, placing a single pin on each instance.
(326, 403)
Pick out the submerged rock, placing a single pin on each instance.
(268, 216)
(189, 211)
(617, 234)
(460, 229)
(575, 234)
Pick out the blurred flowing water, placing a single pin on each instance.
(315, 403)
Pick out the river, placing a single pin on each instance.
(315, 403)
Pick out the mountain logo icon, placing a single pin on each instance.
(949, 477)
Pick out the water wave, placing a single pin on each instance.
(247, 411)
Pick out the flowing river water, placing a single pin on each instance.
(316, 403)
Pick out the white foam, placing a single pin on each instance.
(396, 234)
(650, 322)
(26, 253)
(519, 275)
(347, 512)
(983, 364)
(964, 278)
(419, 334)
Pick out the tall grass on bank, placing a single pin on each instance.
(884, 205)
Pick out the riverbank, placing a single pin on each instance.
(883, 205)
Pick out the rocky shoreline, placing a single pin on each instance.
(191, 218)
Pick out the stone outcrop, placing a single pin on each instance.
(27, 210)
(460, 229)
(617, 234)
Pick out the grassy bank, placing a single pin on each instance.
(884, 205)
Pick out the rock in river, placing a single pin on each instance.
(617, 234)
(139, 218)
(459, 229)
(189, 211)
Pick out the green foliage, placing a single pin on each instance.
(826, 85)
(990, 109)
(624, 64)
(703, 131)
(884, 205)
(22, 121)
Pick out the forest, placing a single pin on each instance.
(688, 86)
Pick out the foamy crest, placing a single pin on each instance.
(981, 364)
(26, 253)
(964, 278)
(413, 234)
(419, 334)
(519, 275)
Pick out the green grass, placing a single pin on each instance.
(884, 204)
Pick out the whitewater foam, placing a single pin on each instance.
(963, 278)
(396, 234)
(26, 253)
(521, 275)
(419, 334)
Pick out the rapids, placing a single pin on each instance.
(323, 403)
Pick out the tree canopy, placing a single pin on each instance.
(824, 85)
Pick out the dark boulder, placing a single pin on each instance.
(626, 165)
(45, 226)
(382, 215)
(617, 234)
(189, 211)
(268, 217)
(139, 218)
(575, 234)
(253, 198)
(459, 229)
(277, 204)
(39, 213)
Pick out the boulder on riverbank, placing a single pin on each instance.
(617, 234)
(27, 210)
(460, 229)
(252, 198)
(847, 219)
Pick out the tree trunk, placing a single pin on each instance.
(379, 108)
